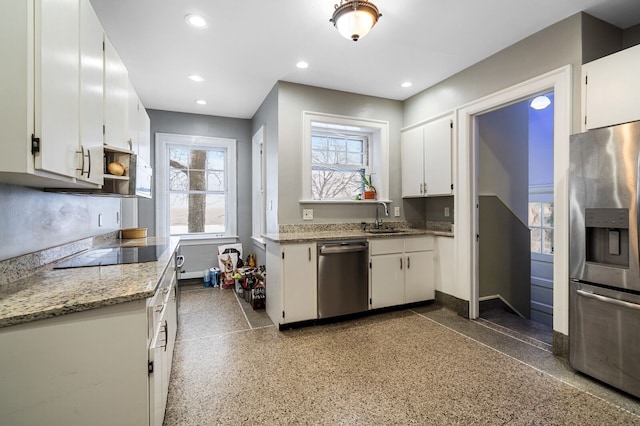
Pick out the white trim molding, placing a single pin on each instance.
(466, 213)
(162, 186)
(379, 146)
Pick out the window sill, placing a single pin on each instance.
(259, 242)
(196, 240)
(344, 201)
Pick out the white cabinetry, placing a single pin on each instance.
(139, 127)
(291, 287)
(40, 86)
(610, 89)
(91, 367)
(402, 271)
(426, 159)
(91, 94)
(116, 99)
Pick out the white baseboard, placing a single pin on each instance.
(497, 296)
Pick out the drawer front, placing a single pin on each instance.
(385, 246)
(418, 244)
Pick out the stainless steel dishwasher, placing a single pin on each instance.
(343, 278)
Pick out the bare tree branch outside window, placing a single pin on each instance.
(337, 162)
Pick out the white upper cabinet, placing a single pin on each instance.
(426, 159)
(116, 99)
(57, 72)
(611, 89)
(40, 77)
(139, 127)
(91, 94)
(413, 162)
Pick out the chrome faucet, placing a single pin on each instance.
(386, 213)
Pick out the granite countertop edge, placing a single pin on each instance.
(302, 237)
(52, 293)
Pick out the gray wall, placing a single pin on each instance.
(505, 257)
(267, 116)
(549, 49)
(33, 220)
(599, 38)
(293, 99)
(503, 186)
(631, 36)
(504, 157)
(201, 257)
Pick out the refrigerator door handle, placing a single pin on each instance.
(606, 299)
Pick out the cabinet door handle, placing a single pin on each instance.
(88, 168)
(400, 263)
(166, 335)
(425, 188)
(309, 254)
(408, 262)
(421, 191)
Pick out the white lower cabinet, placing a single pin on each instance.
(292, 285)
(104, 366)
(402, 271)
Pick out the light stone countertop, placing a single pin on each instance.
(348, 234)
(54, 292)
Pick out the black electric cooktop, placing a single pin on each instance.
(113, 256)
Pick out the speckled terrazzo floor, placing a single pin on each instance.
(425, 365)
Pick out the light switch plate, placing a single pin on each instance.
(307, 214)
(396, 211)
(446, 212)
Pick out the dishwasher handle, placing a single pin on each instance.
(342, 248)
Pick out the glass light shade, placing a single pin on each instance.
(355, 24)
(540, 102)
(354, 19)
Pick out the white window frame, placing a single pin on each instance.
(378, 151)
(162, 182)
(258, 181)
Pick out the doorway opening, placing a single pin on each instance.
(515, 218)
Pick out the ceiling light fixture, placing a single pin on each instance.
(354, 18)
(406, 84)
(540, 102)
(196, 78)
(302, 65)
(196, 21)
(201, 102)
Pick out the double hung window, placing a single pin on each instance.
(196, 185)
(338, 161)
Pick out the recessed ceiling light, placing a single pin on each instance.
(406, 84)
(196, 21)
(302, 65)
(201, 102)
(540, 102)
(196, 78)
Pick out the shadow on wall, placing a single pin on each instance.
(34, 220)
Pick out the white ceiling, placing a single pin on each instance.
(251, 44)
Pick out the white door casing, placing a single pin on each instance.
(466, 188)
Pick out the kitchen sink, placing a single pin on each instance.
(384, 231)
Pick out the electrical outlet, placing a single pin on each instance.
(396, 211)
(446, 212)
(307, 214)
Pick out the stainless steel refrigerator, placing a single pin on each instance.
(604, 266)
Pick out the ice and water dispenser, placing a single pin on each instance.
(607, 236)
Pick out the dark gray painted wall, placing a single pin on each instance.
(599, 38)
(631, 36)
(33, 220)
